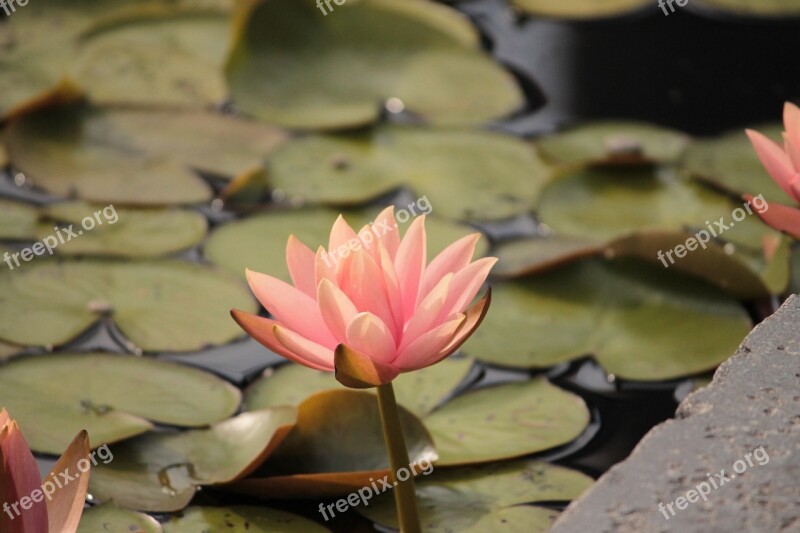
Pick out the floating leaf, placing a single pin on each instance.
(257, 242)
(464, 174)
(730, 163)
(336, 447)
(117, 156)
(120, 232)
(240, 518)
(762, 8)
(613, 143)
(158, 306)
(506, 421)
(111, 396)
(110, 518)
(578, 9)
(487, 498)
(419, 392)
(640, 321)
(290, 65)
(17, 220)
(160, 472)
(529, 256)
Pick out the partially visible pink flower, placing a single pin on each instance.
(783, 164)
(371, 306)
(19, 479)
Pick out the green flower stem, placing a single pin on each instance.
(405, 495)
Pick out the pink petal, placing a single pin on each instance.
(300, 260)
(336, 308)
(19, 477)
(291, 307)
(775, 161)
(369, 335)
(341, 234)
(393, 293)
(781, 217)
(451, 259)
(427, 347)
(473, 318)
(65, 509)
(306, 349)
(410, 264)
(262, 330)
(385, 226)
(324, 266)
(466, 284)
(791, 121)
(427, 314)
(364, 284)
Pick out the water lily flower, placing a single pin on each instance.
(783, 164)
(28, 505)
(370, 307)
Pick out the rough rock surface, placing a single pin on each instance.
(753, 401)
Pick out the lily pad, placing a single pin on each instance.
(795, 286)
(730, 163)
(530, 256)
(258, 242)
(493, 497)
(579, 9)
(113, 397)
(762, 8)
(506, 421)
(112, 519)
(160, 472)
(613, 143)
(640, 321)
(17, 220)
(419, 392)
(121, 232)
(240, 518)
(118, 156)
(336, 448)
(158, 306)
(465, 174)
(292, 66)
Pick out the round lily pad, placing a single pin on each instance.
(613, 143)
(158, 306)
(259, 242)
(730, 163)
(292, 65)
(160, 472)
(240, 518)
(578, 9)
(336, 447)
(493, 497)
(112, 519)
(116, 155)
(762, 8)
(640, 321)
(113, 397)
(505, 421)
(474, 175)
(17, 220)
(529, 256)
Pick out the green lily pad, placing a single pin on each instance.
(336, 448)
(493, 497)
(530, 256)
(419, 392)
(506, 421)
(259, 242)
(464, 174)
(640, 321)
(120, 156)
(110, 518)
(240, 518)
(158, 305)
(113, 397)
(291, 65)
(614, 143)
(730, 163)
(610, 203)
(123, 232)
(17, 220)
(578, 9)
(762, 8)
(160, 472)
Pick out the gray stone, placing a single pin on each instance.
(753, 402)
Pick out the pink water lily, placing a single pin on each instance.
(370, 307)
(783, 164)
(27, 508)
